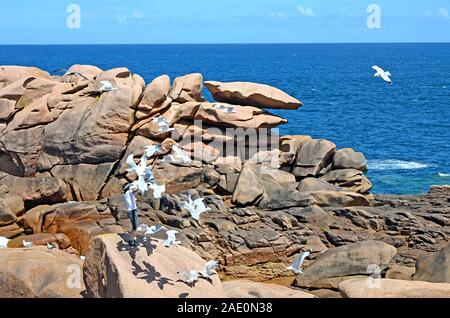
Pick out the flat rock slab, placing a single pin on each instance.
(249, 289)
(392, 288)
(114, 270)
(252, 94)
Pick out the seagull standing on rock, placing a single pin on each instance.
(171, 238)
(3, 242)
(27, 244)
(106, 86)
(51, 246)
(383, 74)
(296, 266)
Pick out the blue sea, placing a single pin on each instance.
(403, 129)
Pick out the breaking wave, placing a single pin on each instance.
(393, 164)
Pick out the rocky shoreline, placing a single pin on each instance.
(63, 151)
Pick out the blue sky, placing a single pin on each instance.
(227, 21)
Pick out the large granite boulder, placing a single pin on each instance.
(349, 159)
(252, 94)
(40, 273)
(289, 147)
(249, 289)
(337, 264)
(434, 268)
(86, 181)
(244, 117)
(273, 189)
(314, 158)
(10, 74)
(36, 190)
(392, 288)
(155, 98)
(352, 179)
(327, 194)
(114, 270)
(80, 221)
(187, 88)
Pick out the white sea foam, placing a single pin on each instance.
(393, 164)
(444, 175)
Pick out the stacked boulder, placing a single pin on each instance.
(62, 143)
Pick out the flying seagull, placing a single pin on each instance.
(177, 156)
(27, 244)
(150, 230)
(141, 170)
(191, 277)
(385, 75)
(195, 207)
(3, 242)
(210, 268)
(150, 151)
(171, 239)
(71, 73)
(163, 124)
(296, 266)
(158, 189)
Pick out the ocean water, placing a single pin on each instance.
(403, 129)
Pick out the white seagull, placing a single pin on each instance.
(150, 230)
(163, 124)
(150, 151)
(3, 242)
(195, 207)
(296, 266)
(106, 86)
(27, 244)
(50, 246)
(383, 74)
(141, 170)
(191, 277)
(158, 189)
(226, 109)
(177, 156)
(229, 110)
(210, 268)
(171, 238)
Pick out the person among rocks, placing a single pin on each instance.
(130, 199)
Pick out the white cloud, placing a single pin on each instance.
(306, 11)
(443, 12)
